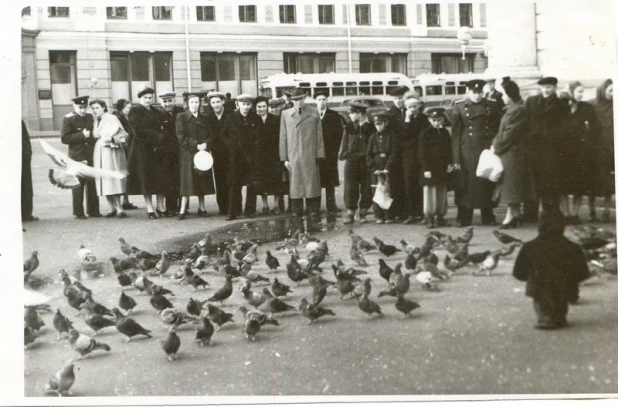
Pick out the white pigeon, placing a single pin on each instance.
(69, 171)
(427, 280)
(86, 254)
(311, 246)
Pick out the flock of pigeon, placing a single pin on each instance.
(238, 261)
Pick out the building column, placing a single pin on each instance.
(511, 33)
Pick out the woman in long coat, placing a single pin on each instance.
(147, 169)
(510, 145)
(270, 170)
(109, 155)
(604, 107)
(192, 137)
(121, 111)
(583, 128)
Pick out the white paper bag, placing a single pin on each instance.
(490, 166)
(382, 196)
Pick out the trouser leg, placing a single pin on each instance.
(222, 189)
(464, 215)
(351, 185)
(487, 215)
(78, 198)
(26, 192)
(92, 199)
(366, 195)
(250, 200)
(234, 199)
(543, 309)
(171, 202)
(331, 205)
(429, 200)
(313, 205)
(531, 211)
(441, 200)
(297, 207)
(397, 192)
(407, 188)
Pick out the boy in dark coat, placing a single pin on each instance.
(553, 267)
(434, 154)
(381, 159)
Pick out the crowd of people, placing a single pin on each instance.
(555, 148)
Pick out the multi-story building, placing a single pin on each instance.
(112, 52)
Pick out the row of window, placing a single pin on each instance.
(287, 14)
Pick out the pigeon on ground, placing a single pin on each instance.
(95, 321)
(84, 345)
(357, 256)
(368, 306)
(194, 307)
(262, 318)
(170, 344)
(253, 298)
(32, 263)
(256, 277)
(86, 254)
(32, 319)
(63, 380)
(126, 303)
(384, 270)
(271, 261)
(160, 302)
(313, 311)
(405, 306)
(146, 264)
(124, 280)
(408, 248)
(126, 248)
(279, 289)
(224, 292)
(360, 243)
(505, 238)
(489, 264)
(203, 334)
(386, 249)
(196, 281)
(61, 324)
(218, 316)
(476, 258)
(162, 265)
(466, 236)
(97, 307)
(273, 304)
(29, 336)
(171, 316)
(128, 327)
(251, 328)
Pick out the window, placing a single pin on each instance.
(371, 63)
(433, 15)
(465, 15)
(308, 63)
(363, 14)
(117, 12)
(229, 72)
(58, 11)
(451, 63)
(162, 13)
(132, 71)
(205, 13)
(398, 14)
(246, 14)
(326, 14)
(287, 14)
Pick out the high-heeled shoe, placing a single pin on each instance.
(182, 216)
(151, 215)
(202, 213)
(512, 224)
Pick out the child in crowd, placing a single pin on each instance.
(357, 179)
(434, 153)
(381, 158)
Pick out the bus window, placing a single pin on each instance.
(377, 88)
(394, 83)
(364, 88)
(449, 88)
(304, 85)
(461, 90)
(350, 89)
(266, 92)
(337, 89)
(323, 84)
(419, 90)
(434, 90)
(315, 90)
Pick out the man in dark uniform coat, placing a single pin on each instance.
(26, 176)
(475, 123)
(493, 94)
(76, 131)
(169, 111)
(214, 123)
(395, 124)
(241, 133)
(332, 131)
(546, 116)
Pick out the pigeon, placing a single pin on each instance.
(86, 254)
(427, 247)
(357, 256)
(82, 288)
(345, 287)
(319, 291)
(256, 277)
(218, 316)
(251, 256)
(410, 262)
(452, 264)
(295, 273)
(29, 336)
(170, 344)
(252, 327)
(153, 288)
(262, 318)
(126, 303)
(224, 292)
(505, 238)
(427, 281)
(203, 334)
(405, 306)
(95, 321)
(313, 311)
(196, 281)
(171, 316)
(194, 307)
(368, 306)
(476, 258)
(124, 280)
(162, 265)
(384, 270)
(489, 264)
(125, 247)
(508, 249)
(68, 173)
(466, 236)
(142, 254)
(271, 261)
(138, 282)
(84, 345)
(61, 324)
(253, 298)
(98, 308)
(63, 380)
(408, 248)
(273, 304)
(450, 245)
(32, 263)
(360, 243)
(160, 302)
(122, 265)
(462, 253)
(32, 319)
(146, 264)
(307, 238)
(386, 249)
(128, 327)
(279, 289)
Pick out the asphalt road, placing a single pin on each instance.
(474, 336)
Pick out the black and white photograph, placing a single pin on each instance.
(327, 201)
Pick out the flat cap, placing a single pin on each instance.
(245, 97)
(476, 84)
(81, 100)
(167, 95)
(215, 94)
(434, 112)
(147, 90)
(548, 80)
(321, 92)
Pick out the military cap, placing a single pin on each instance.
(548, 80)
(434, 112)
(321, 92)
(358, 107)
(476, 84)
(506, 79)
(215, 94)
(167, 95)
(398, 91)
(296, 93)
(81, 100)
(244, 98)
(147, 90)
(274, 103)
(380, 117)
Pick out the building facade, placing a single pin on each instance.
(112, 52)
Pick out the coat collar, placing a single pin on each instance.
(199, 120)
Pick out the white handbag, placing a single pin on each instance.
(490, 166)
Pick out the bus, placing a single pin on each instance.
(442, 89)
(337, 84)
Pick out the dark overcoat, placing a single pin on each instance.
(147, 158)
(548, 144)
(409, 137)
(510, 145)
(382, 149)
(191, 131)
(241, 135)
(219, 146)
(81, 148)
(171, 146)
(605, 170)
(332, 131)
(270, 171)
(474, 127)
(434, 155)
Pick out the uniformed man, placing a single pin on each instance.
(214, 123)
(475, 124)
(397, 116)
(169, 111)
(76, 131)
(493, 94)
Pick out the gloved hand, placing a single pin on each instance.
(427, 174)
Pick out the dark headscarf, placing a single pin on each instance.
(551, 224)
(605, 107)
